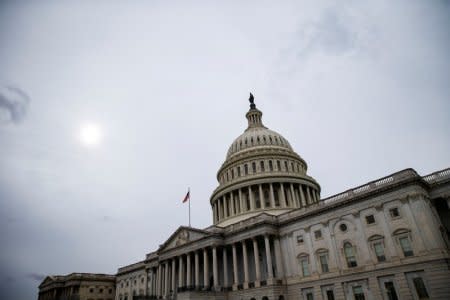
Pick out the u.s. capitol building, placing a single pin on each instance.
(273, 236)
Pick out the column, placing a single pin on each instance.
(205, 268)
(272, 196)
(283, 196)
(225, 206)
(261, 196)
(188, 270)
(146, 282)
(302, 196)
(197, 270)
(278, 258)
(252, 199)
(166, 280)
(309, 200)
(232, 204)
(241, 202)
(225, 267)
(294, 200)
(245, 256)
(174, 268)
(235, 268)
(269, 260)
(158, 282)
(215, 270)
(180, 272)
(257, 267)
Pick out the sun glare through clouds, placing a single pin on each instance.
(90, 134)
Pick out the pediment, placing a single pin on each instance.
(181, 236)
(47, 280)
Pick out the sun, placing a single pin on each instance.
(90, 134)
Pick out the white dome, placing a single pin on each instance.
(257, 137)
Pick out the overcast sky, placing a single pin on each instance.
(359, 88)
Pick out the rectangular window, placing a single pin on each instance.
(262, 166)
(370, 219)
(390, 290)
(286, 166)
(379, 251)
(100, 291)
(309, 296)
(305, 267)
(406, 246)
(270, 165)
(239, 171)
(394, 212)
(300, 239)
(278, 165)
(420, 288)
(358, 293)
(318, 234)
(330, 295)
(254, 167)
(324, 262)
(246, 169)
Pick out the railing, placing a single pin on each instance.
(437, 176)
(373, 185)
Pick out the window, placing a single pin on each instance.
(253, 167)
(421, 290)
(309, 296)
(278, 165)
(110, 291)
(286, 166)
(390, 290)
(358, 293)
(330, 295)
(379, 251)
(91, 290)
(323, 258)
(246, 169)
(100, 291)
(270, 166)
(418, 285)
(350, 255)
(318, 234)
(300, 239)
(304, 266)
(262, 165)
(406, 246)
(239, 171)
(394, 212)
(343, 227)
(370, 219)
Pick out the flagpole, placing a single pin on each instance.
(189, 191)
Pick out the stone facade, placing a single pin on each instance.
(78, 286)
(273, 237)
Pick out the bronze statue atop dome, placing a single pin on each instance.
(252, 103)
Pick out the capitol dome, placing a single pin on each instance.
(261, 173)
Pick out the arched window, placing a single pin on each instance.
(239, 171)
(262, 165)
(322, 258)
(265, 298)
(350, 255)
(286, 166)
(303, 260)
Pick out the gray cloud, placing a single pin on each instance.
(35, 276)
(13, 104)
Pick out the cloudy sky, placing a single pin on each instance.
(360, 89)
